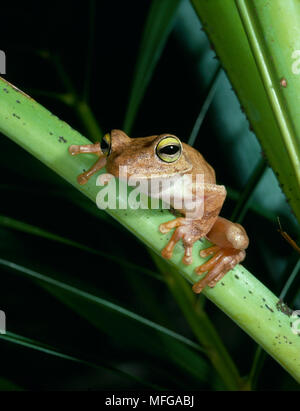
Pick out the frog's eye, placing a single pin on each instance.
(106, 144)
(169, 149)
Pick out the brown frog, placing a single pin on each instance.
(166, 156)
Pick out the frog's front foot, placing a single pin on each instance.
(223, 260)
(186, 230)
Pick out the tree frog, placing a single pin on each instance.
(165, 155)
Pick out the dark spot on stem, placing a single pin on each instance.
(283, 82)
(281, 306)
(61, 139)
(270, 309)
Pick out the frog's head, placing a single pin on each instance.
(157, 156)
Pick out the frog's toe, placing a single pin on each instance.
(211, 263)
(223, 261)
(180, 233)
(187, 258)
(167, 252)
(209, 251)
(82, 179)
(74, 149)
(185, 230)
(169, 225)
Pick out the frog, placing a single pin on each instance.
(165, 155)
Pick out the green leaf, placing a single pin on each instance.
(123, 324)
(256, 56)
(39, 232)
(47, 349)
(7, 385)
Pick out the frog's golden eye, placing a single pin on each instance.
(106, 144)
(169, 149)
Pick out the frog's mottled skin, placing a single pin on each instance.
(140, 157)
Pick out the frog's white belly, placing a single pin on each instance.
(179, 192)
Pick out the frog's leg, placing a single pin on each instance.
(189, 230)
(83, 178)
(230, 241)
(89, 148)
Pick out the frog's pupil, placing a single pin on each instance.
(170, 150)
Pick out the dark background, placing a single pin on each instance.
(31, 34)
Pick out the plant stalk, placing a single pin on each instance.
(240, 295)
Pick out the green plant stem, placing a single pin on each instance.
(290, 280)
(240, 295)
(260, 355)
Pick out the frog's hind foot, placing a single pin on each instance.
(230, 241)
(223, 260)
